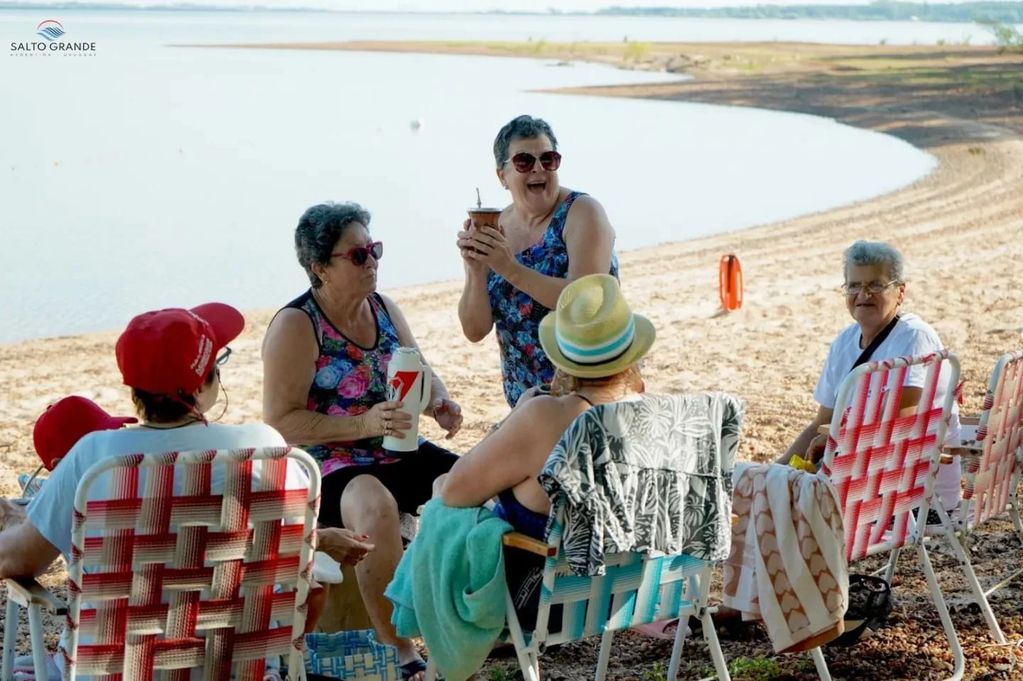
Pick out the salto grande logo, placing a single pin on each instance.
(52, 31)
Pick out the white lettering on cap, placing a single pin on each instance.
(203, 358)
(205, 348)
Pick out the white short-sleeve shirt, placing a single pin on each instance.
(911, 336)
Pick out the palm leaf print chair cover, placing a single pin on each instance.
(641, 509)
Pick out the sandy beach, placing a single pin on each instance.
(960, 229)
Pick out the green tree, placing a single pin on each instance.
(1007, 37)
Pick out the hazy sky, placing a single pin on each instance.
(483, 5)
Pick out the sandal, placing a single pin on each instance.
(411, 668)
(24, 668)
(870, 602)
(663, 629)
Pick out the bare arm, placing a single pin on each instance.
(910, 398)
(589, 239)
(289, 364)
(511, 454)
(24, 552)
(802, 442)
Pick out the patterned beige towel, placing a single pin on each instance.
(787, 565)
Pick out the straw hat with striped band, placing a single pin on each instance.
(592, 333)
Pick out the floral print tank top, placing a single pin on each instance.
(349, 380)
(517, 316)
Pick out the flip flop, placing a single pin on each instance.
(663, 630)
(24, 668)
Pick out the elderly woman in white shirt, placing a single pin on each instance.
(875, 288)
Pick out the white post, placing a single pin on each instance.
(822, 666)
(946, 619)
(10, 633)
(605, 654)
(35, 630)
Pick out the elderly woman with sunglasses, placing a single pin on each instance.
(548, 236)
(874, 291)
(325, 359)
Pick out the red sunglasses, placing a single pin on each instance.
(360, 254)
(524, 162)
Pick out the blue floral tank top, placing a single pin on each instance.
(349, 380)
(517, 316)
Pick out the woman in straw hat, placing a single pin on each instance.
(596, 342)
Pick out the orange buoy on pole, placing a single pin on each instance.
(730, 282)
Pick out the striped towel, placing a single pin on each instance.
(787, 565)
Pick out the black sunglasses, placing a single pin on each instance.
(524, 162)
(360, 254)
(222, 358)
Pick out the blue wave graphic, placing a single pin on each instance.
(51, 33)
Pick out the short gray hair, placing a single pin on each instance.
(875, 253)
(520, 128)
(318, 230)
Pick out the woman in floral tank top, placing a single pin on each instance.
(325, 359)
(548, 236)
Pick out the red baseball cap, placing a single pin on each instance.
(165, 351)
(65, 422)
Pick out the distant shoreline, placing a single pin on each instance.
(967, 12)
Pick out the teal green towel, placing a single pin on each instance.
(449, 587)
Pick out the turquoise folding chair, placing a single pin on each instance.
(636, 587)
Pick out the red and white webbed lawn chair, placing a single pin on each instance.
(991, 472)
(883, 461)
(167, 573)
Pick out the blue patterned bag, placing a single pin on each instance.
(351, 655)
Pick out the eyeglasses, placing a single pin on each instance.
(360, 254)
(222, 358)
(524, 162)
(873, 288)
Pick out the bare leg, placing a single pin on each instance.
(368, 508)
(438, 484)
(316, 600)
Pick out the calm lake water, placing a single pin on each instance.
(148, 176)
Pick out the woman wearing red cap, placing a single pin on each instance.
(171, 360)
(325, 360)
